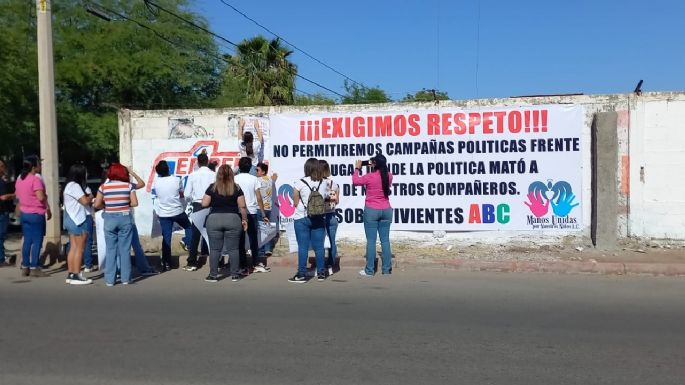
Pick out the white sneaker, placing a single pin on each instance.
(330, 271)
(90, 269)
(260, 268)
(363, 273)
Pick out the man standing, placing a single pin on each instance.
(196, 185)
(253, 200)
(5, 208)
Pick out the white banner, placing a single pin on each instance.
(453, 169)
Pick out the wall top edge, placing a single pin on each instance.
(469, 103)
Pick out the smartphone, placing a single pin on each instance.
(365, 163)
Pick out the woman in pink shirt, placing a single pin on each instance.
(377, 211)
(33, 208)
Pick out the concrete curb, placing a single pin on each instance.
(517, 266)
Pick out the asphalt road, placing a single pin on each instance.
(414, 327)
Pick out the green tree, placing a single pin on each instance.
(101, 66)
(426, 96)
(264, 67)
(313, 100)
(359, 94)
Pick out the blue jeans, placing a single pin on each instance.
(377, 222)
(267, 246)
(88, 251)
(167, 224)
(331, 229)
(141, 260)
(310, 230)
(33, 227)
(4, 222)
(118, 231)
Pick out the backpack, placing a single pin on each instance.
(316, 205)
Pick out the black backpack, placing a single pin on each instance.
(316, 206)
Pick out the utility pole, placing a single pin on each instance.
(48, 127)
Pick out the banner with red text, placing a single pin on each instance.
(454, 169)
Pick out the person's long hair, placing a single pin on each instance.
(312, 169)
(248, 142)
(381, 165)
(27, 166)
(77, 174)
(225, 182)
(325, 169)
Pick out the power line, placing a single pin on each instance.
(169, 41)
(291, 44)
(232, 43)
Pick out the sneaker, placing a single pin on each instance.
(149, 273)
(126, 283)
(260, 268)
(321, 277)
(38, 273)
(25, 271)
(166, 267)
(244, 272)
(235, 278)
(297, 279)
(109, 284)
(183, 245)
(190, 268)
(330, 271)
(212, 279)
(78, 279)
(268, 253)
(90, 269)
(363, 273)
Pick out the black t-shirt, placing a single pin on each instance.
(5, 206)
(224, 203)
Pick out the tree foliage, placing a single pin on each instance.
(100, 67)
(313, 100)
(359, 94)
(263, 67)
(426, 96)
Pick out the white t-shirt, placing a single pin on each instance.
(89, 208)
(168, 191)
(76, 211)
(256, 146)
(300, 211)
(197, 183)
(250, 186)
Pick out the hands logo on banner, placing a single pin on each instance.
(559, 194)
(286, 196)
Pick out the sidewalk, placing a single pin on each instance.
(629, 258)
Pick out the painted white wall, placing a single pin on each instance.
(651, 135)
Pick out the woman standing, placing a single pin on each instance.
(34, 209)
(170, 209)
(309, 229)
(227, 219)
(117, 195)
(76, 203)
(248, 146)
(377, 211)
(331, 218)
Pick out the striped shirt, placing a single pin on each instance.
(117, 196)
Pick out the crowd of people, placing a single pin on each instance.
(238, 201)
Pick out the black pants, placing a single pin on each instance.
(254, 242)
(196, 238)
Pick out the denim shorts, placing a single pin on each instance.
(72, 228)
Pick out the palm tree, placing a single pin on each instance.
(265, 68)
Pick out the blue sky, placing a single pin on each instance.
(513, 48)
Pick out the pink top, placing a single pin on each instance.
(26, 193)
(375, 198)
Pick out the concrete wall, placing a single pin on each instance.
(647, 141)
